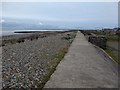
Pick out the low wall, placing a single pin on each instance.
(98, 40)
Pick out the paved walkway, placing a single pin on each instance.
(83, 67)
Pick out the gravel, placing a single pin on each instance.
(24, 64)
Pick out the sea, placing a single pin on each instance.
(8, 28)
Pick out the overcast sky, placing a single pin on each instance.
(92, 14)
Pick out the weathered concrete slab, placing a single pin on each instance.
(83, 67)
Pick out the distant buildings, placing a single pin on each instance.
(111, 31)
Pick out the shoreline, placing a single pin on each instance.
(17, 32)
(29, 63)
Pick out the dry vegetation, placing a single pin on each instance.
(29, 61)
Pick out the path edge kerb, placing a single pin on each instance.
(118, 66)
(105, 54)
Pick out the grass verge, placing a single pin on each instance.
(113, 38)
(58, 58)
(113, 55)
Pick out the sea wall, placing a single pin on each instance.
(98, 40)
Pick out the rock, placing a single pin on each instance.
(25, 64)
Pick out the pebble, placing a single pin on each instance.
(30, 59)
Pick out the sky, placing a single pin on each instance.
(70, 14)
(60, 0)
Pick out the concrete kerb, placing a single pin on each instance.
(105, 53)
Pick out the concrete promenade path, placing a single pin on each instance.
(84, 67)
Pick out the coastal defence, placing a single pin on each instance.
(84, 67)
(29, 59)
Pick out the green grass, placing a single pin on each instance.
(100, 33)
(67, 38)
(70, 37)
(113, 37)
(110, 37)
(12, 41)
(59, 56)
(113, 55)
